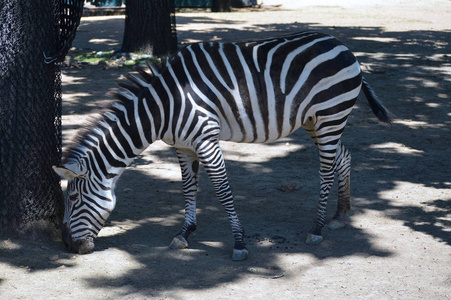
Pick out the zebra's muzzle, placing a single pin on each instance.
(81, 246)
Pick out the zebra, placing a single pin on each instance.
(248, 92)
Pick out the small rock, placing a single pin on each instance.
(287, 188)
(54, 257)
(278, 276)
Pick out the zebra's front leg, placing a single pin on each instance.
(211, 157)
(190, 167)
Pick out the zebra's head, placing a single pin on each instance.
(88, 202)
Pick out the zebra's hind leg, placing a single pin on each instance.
(210, 155)
(343, 169)
(190, 167)
(327, 145)
(327, 178)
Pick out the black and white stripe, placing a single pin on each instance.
(254, 92)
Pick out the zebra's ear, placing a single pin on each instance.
(68, 171)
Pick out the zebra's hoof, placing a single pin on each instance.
(179, 242)
(241, 254)
(313, 239)
(335, 224)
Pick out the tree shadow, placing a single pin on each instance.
(407, 71)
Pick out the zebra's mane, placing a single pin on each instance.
(119, 100)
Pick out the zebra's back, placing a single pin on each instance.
(263, 90)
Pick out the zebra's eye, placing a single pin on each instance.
(73, 197)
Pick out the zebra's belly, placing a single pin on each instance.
(253, 135)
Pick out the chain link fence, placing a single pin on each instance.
(34, 37)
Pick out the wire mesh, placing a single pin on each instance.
(30, 107)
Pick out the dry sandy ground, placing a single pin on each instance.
(397, 243)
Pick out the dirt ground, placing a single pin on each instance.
(397, 243)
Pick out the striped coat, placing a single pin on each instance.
(254, 92)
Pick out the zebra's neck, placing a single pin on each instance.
(123, 132)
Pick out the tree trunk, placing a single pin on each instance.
(30, 117)
(150, 27)
(220, 6)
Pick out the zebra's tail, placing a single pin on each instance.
(376, 105)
